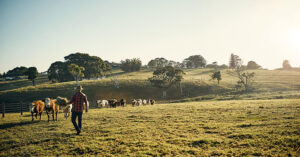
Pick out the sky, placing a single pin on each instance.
(40, 32)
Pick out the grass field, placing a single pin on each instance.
(212, 128)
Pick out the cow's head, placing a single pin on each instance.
(47, 101)
(34, 103)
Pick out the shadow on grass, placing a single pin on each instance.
(10, 125)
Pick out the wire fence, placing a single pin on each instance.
(18, 107)
(21, 107)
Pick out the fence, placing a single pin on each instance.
(18, 107)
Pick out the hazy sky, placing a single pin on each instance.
(40, 32)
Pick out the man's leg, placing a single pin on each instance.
(74, 115)
(79, 120)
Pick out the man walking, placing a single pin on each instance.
(77, 100)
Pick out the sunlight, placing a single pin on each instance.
(294, 40)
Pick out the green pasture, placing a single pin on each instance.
(214, 128)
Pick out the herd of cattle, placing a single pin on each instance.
(115, 103)
(51, 106)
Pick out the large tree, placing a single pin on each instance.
(158, 62)
(94, 66)
(152, 63)
(253, 65)
(58, 72)
(165, 77)
(32, 74)
(195, 61)
(129, 65)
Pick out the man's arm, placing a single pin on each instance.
(72, 100)
(86, 104)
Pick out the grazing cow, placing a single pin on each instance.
(67, 111)
(134, 103)
(144, 102)
(123, 102)
(62, 102)
(152, 101)
(102, 103)
(113, 103)
(139, 102)
(51, 107)
(37, 108)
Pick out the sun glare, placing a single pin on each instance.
(294, 40)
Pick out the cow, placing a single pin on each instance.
(67, 111)
(139, 102)
(144, 102)
(51, 107)
(61, 101)
(113, 103)
(102, 103)
(134, 103)
(37, 108)
(123, 102)
(152, 101)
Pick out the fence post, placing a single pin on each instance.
(3, 110)
(21, 108)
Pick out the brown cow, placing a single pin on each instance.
(37, 108)
(51, 107)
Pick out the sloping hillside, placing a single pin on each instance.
(196, 85)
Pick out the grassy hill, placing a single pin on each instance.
(24, 82)
(215, 128)
(270, 84)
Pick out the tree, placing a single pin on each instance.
(58, 72)
(217, 75)
(245, 79)
(158, 62)
(18, 71)
(253, 65)
(235, 61)
(94, 66)
(130, 65)
(286, 65)
(76, 71)
(195, 61)
(152, 63)
(165, 77)
(32, 74)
